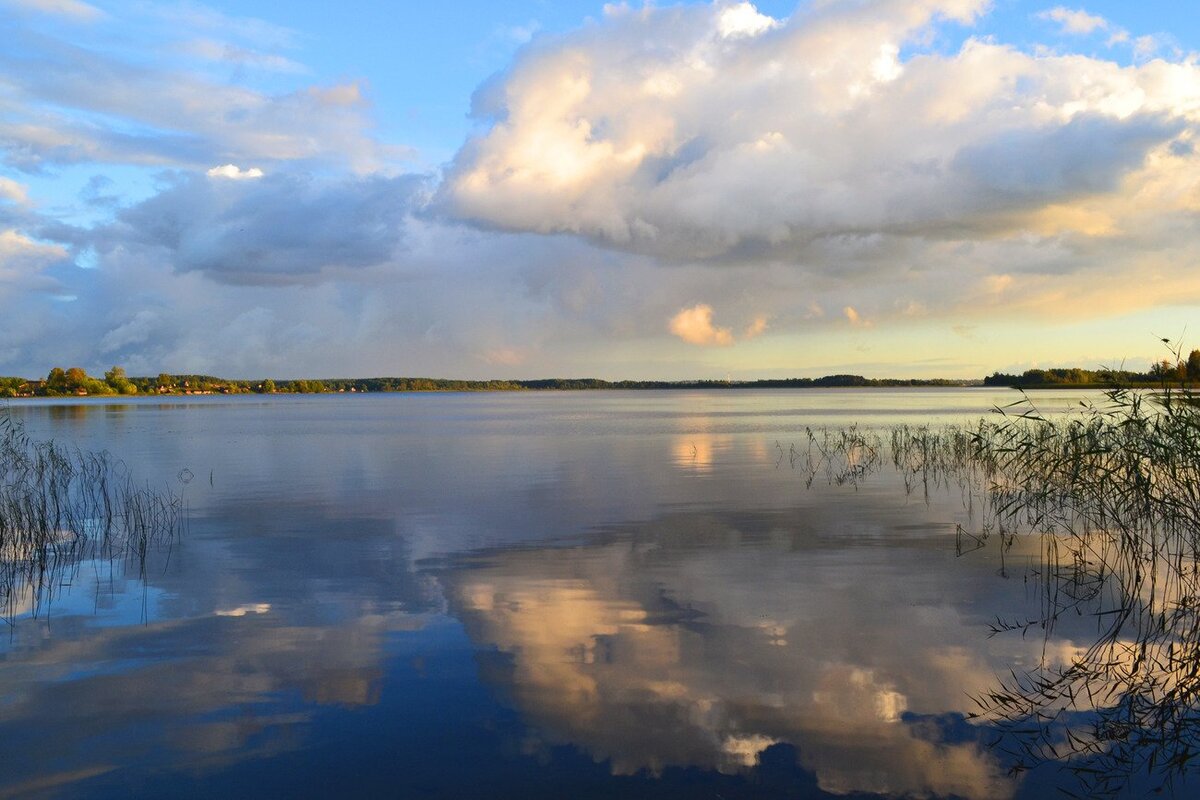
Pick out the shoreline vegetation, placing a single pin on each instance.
(75, 382)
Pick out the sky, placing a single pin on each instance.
(893, 188)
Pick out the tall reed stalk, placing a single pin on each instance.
(1113, 492)
(60, 505)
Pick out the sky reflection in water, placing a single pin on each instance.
(592, 594)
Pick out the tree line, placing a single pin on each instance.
(76, 382)
(1177, 370)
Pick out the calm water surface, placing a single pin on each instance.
(600, 594)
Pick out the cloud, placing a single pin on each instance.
(1145, 47)
(227, 53)
(12, 191)
(242, 226)
(695, 326)
(504, 356)
(793, 168)
(234, 172)
(756, 328)
(19, 252)
(71, 9)
(23, 263)
(69, 104)
(139, 329)
(743, 19)
(193, 16)
(1075, 21)
(651, 131)
(518, 34)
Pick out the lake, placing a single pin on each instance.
(523, 595)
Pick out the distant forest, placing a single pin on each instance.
(1167, 371)
(76, 382)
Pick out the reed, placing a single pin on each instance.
(1112, 495)
(844, 456)
(60, 506)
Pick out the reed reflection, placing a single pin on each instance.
(1111, 499)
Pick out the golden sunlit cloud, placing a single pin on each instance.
(695, 326)
(755, 328)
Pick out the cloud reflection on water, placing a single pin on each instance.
(628, 598)
(698, 640)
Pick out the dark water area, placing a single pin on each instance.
(575, 595)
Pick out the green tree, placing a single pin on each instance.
(119, 381)
(1193, 365)
(268, 386)
(56, 381)
(1163, 370)
(76, 379)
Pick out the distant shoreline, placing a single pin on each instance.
(441, 385)
(75, 382)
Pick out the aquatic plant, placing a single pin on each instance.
(844, 456)
(1113, 492)
(1112, 495)
(60, 505)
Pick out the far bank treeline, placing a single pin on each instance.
(76, 382)
(1167, 371)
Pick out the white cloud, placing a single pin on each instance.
(1076, 21)
(1145, 46)
(695, 326)
(137, 330)
(742, 19)
(234, 173)
(15, 192)
(23, 265)
(19, 252)
(224, 52)
(519, 34)
(650, 132)
(71, 9)
(193, 16)
(68, 104)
